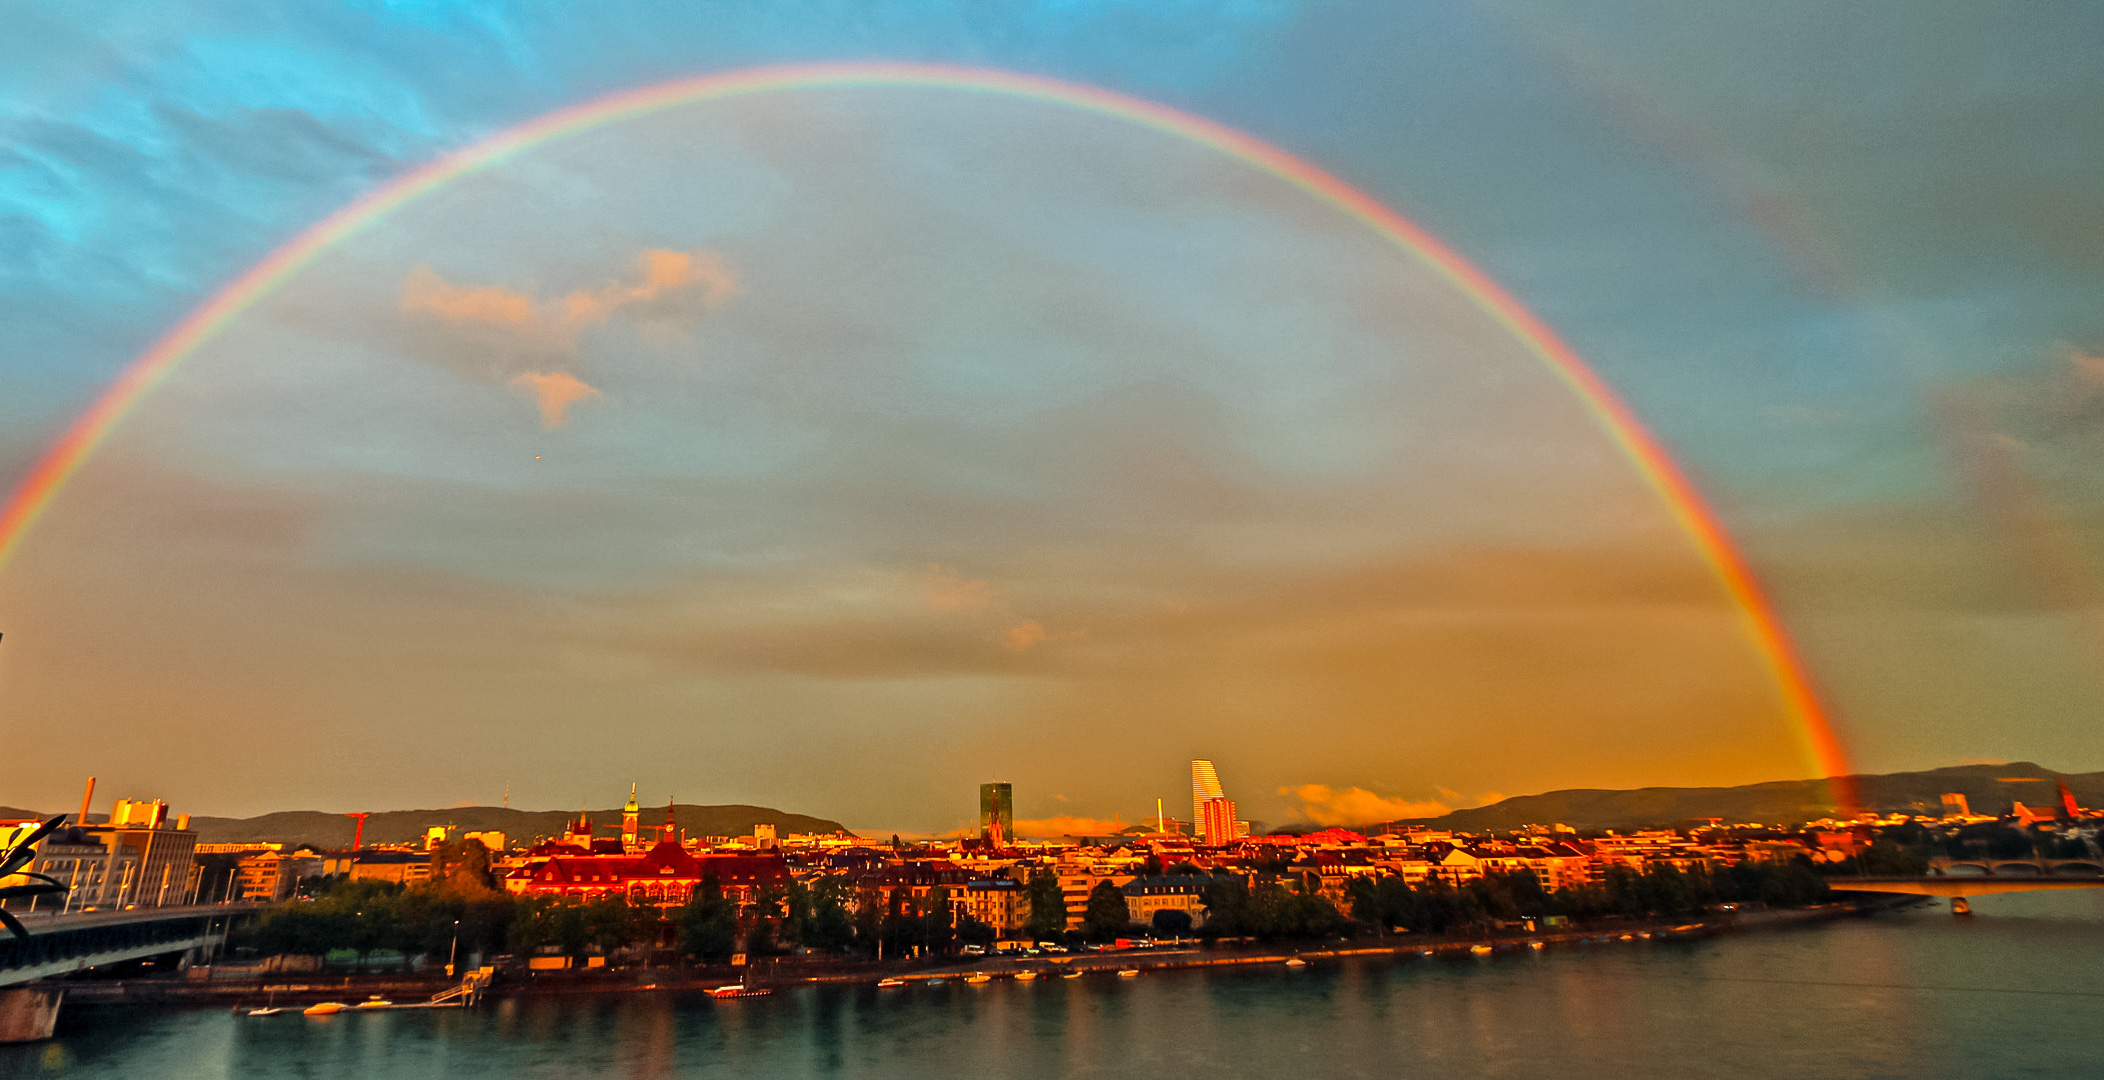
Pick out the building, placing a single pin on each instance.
(400, 867)
(997, 814)
(665, 876)
(1217, 822)
(270, 876)
(998, 902)
(1954, 804)
(1177, 892)
(139, 859)
(765, 837)
(631, 818)
(1205, 784)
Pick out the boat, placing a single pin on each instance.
(739, 990)
(1296, 962)
(1025, 976)
(1479, 950)
(1534, 944)
(1628, 937)
(937, 981)
(374, 1003)
(1129, 973)
(1427, 952)
(326, 1008)
(1689, 928)
(267, 1010)
(888, 984)
(977, 977)
(1071, 975)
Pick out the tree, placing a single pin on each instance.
(1048, 906)
(1151, 866)
(708, 925)
(819, 914)
(1106, 916)
(1171, 923)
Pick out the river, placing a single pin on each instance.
(2015, 991)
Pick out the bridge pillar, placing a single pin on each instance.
(28, 1013)
(1960, 906)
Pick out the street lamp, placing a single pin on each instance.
(453, 955)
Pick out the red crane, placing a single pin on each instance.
(359, 835)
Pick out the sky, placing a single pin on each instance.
(838, 449)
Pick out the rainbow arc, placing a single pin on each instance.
(49, 476)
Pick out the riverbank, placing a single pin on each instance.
(180, 991)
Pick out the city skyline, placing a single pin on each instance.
(1165, 399)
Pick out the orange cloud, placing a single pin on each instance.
(663, 273)
(1070, 826)
(554, 392)
(425, 292)
(1325, 805)
(1024, 636)
(945, 590)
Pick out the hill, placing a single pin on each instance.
(1989, 789)
(326, 830)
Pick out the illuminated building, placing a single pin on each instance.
(1217, 822)
(996, 814)
(139, 859)
(664, 876)
(630, 815)
(1205, 784)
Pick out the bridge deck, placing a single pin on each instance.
(62, 944)
(1955, 887)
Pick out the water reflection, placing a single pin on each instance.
(2012, 992)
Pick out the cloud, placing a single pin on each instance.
(945, 590)
(1070, 826)
(424, 292)
(1325, 805)
(663, 274)
(554, 392)
(1024, 636)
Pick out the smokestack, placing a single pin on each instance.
(86, 797)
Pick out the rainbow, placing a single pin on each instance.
(66, 456)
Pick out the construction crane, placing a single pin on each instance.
(358, 836)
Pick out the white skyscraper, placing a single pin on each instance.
(1205, 784)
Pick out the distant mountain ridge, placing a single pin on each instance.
(325, 830)
(1988, 788)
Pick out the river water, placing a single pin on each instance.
(2016, 991)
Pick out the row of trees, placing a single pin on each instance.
(460, 907)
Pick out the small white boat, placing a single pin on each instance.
(1534, 944)
(1296, 962)
(977, 977)
(888, 984)
(267, 1010)
(739, 990)
(1071, 975)
(1479, 950)
(1129, 973)
(374, 1003)
(1025, 976)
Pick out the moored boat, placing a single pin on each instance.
(888, 984)
(1025, 976)
(1129, 973)
(326, 1008)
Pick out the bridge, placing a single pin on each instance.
(1960, 888)
(65, 944)
(2033, 867)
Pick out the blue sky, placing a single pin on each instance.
(1844, 262)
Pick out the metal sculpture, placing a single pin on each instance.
(11, 863)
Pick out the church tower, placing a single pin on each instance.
(629, 814)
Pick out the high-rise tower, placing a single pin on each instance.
(996, 814)
(1205, 784)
